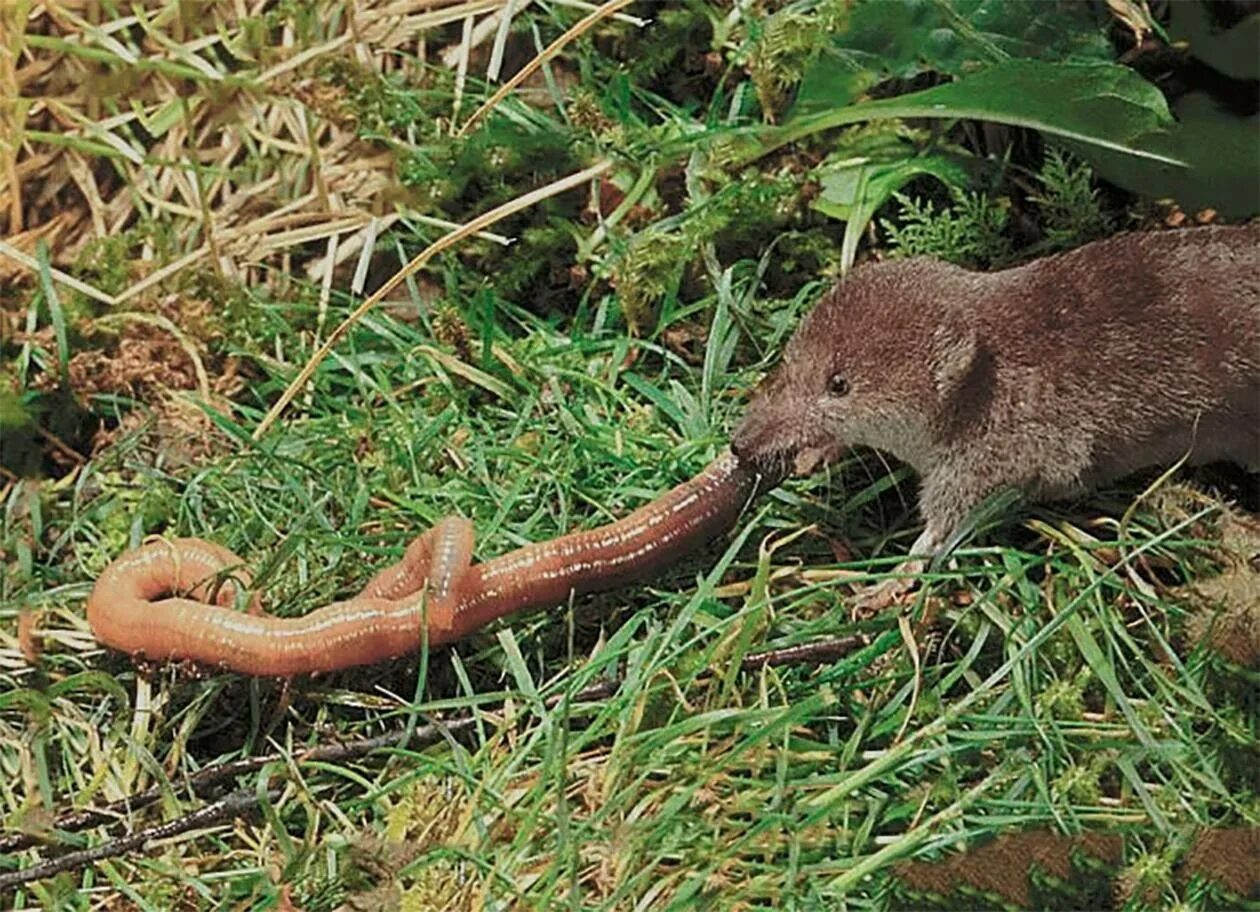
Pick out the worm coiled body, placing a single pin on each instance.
(434, 588)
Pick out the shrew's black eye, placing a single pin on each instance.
(838, 385)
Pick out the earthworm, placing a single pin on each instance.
(433, 589)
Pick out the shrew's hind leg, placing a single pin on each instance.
(880, 597)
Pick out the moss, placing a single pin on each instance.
(494, 164)
(1077, 785)
(125, 506)
(650, 268)
(13, 413)
(1064, 699)
(787, 43)
(536, 260)
(1146, 881)
(116, 261)
(384, 106)
(739, 219)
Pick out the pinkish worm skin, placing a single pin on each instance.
(433, 588)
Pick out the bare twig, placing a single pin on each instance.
(815, 653)
(235, 805)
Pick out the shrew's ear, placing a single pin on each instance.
(955, 353)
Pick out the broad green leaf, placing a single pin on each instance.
(874, 183)
(899, 39)
(1100, 105)
(875, 145)
(1220, 151)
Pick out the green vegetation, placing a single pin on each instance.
(1083, 669)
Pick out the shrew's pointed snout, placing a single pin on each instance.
(752, 435)
(777, 438)
(764, 439)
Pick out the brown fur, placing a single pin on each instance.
(1050, 377)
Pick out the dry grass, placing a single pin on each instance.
(206, 118)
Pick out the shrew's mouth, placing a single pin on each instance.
(811, 458)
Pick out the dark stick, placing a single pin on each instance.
(200, 781)
(235, 805)
(805, 654)
(246, 801)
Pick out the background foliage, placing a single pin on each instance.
(193, 194)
